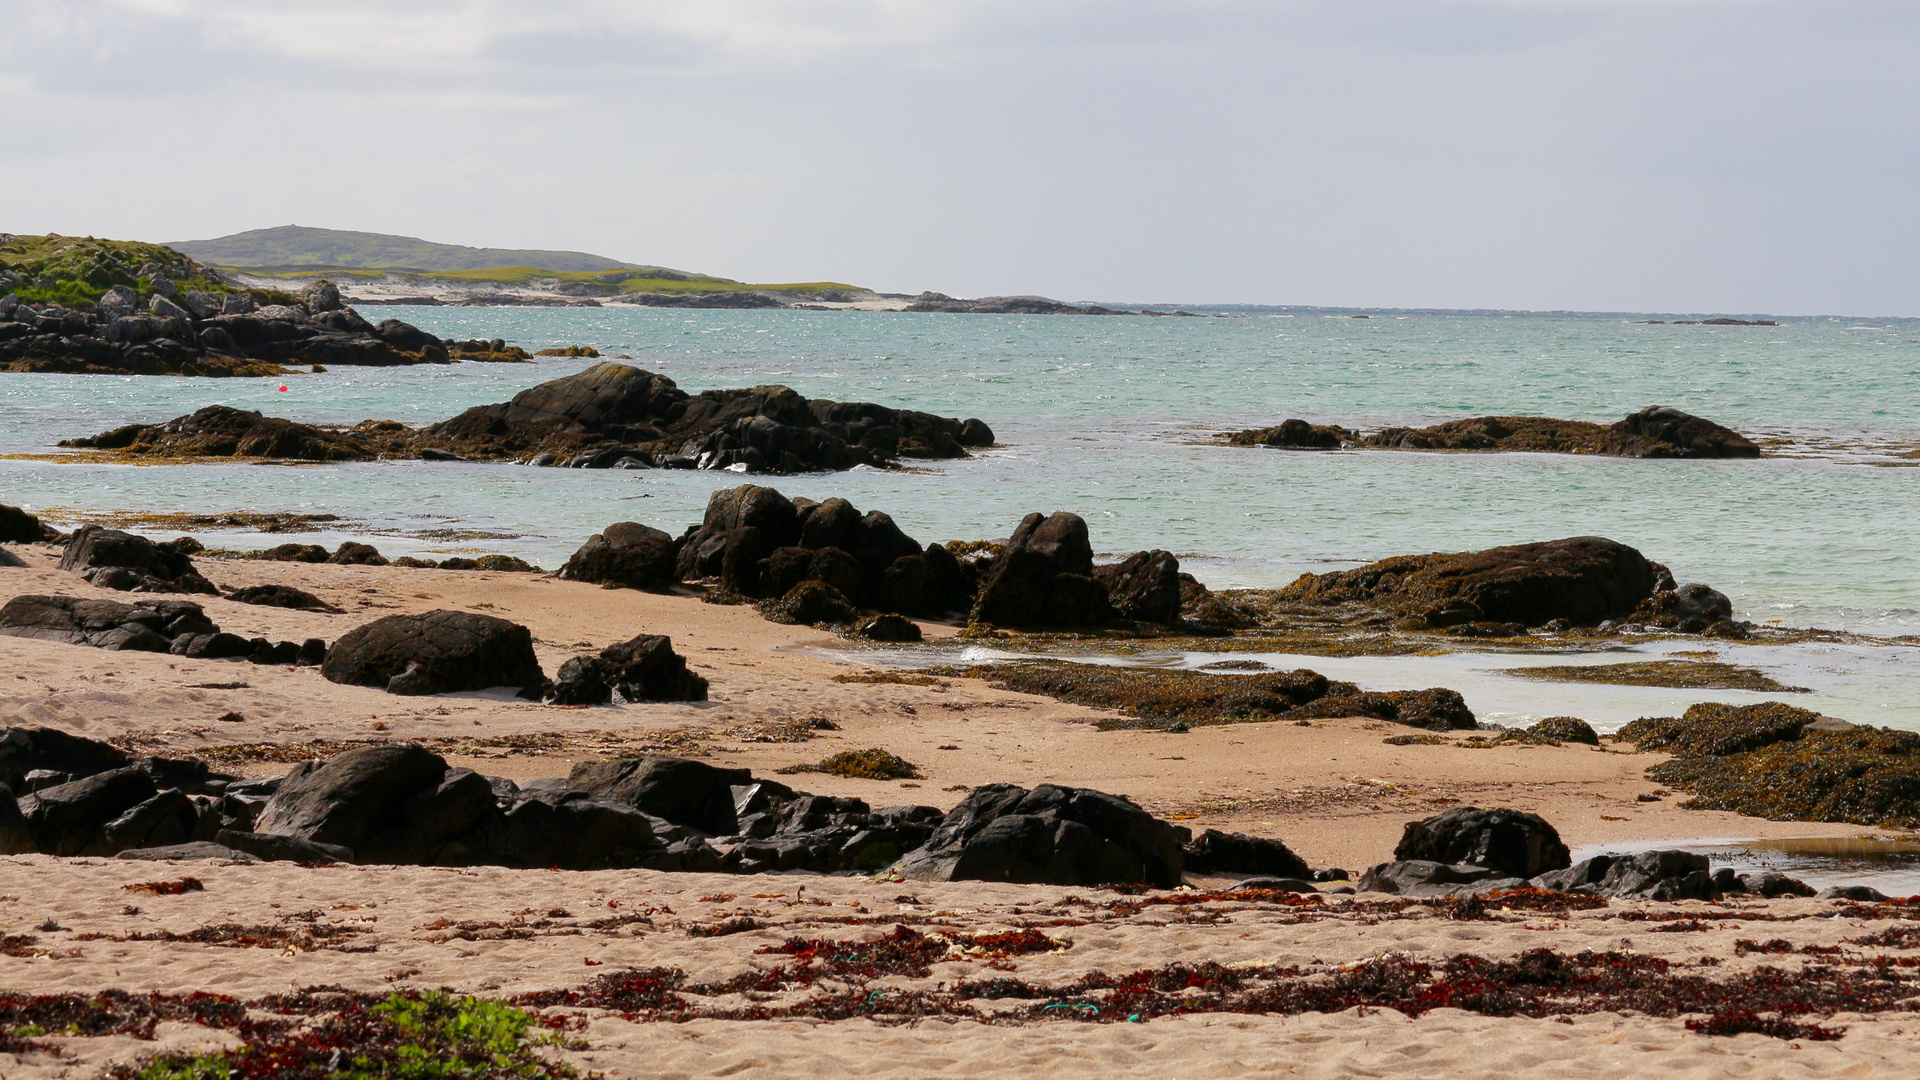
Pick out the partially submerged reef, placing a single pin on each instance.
(1775, 761)
(1653, 432)
(609, 416)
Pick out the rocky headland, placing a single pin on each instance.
(1653, 432)
(609, 416)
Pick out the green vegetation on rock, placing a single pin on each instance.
(74, 270)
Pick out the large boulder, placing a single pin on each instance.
(352, 799)
(437, 652)
(1511, 842)
(1044, 578)
(626, 553)
(1144, 586)
(1049, 835)
(1583, 580)
(573, 831)
(43, 749)
(120, 560)
(683, 791)
(647, 669)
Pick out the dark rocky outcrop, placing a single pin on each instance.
(1583, 580)
(1649, 875)
(223, 431)
(225, 332)
(1688, 608)
(179, 627)
(1005, 305)
(1052, 835)
(627, 553)
(112, 559)
(611, 414)
(608, 416)
(1782, 763)
(1044, 578)
(1426, 878)
(437, 652)
(890, 628)
(1510, 842)
(1653, 432)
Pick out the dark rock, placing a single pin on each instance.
(281, 596)
(1216, 852)
(103, 624)
(351, 799)
(66, 819)
(1044, 578)
(150, 567)
(1650, 875)
(274, 848)
(11, 561)
(573, 831)
(169, 817)
(211, 646)
(1660, 432)
(19, 527)
(1564, 729)
(312, 653)
(1583, 580)
(1145, 586)
(1052, 835)
(627, 553)
(1426, 878)
(192, 849)
(25, 750)
(356, 554)
(890, 628)
(682, 791)
(1511, 842)
(306, 553)
(1770, 884)
(1200, 607)
(1278, 884)
(435, 653)
(581, 681)
(16, 836)
(975, 433)
(647, 669)
(1293, 435)
(1687, 608)
(810, 603)
(223, 431)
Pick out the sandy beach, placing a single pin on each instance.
(1332, 790)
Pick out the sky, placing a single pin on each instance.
(1721, 156)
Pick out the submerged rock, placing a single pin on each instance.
(1653, 432)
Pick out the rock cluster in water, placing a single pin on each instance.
(610, 416)
(166, 331)
(1653, 432)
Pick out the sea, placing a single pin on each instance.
(1113, 418)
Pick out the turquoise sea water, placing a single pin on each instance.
(1108, 417)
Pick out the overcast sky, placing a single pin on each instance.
(1687, 155)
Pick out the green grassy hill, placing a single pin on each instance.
(77, 269)
(291, 247)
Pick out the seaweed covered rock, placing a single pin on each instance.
(19, 527)
(1661, 432)
(1687, 608)
(437, 652)
(1583, 580)
(223, 431)
(1511, 842)
(1049, 835)
(112, 559)
(1653, 432)
(627, 553)
(1293, 435)
(1152, 697)
(810, 603)
(1044, 578)
(1785, 764)
(1145, 586)
(1564, 729)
